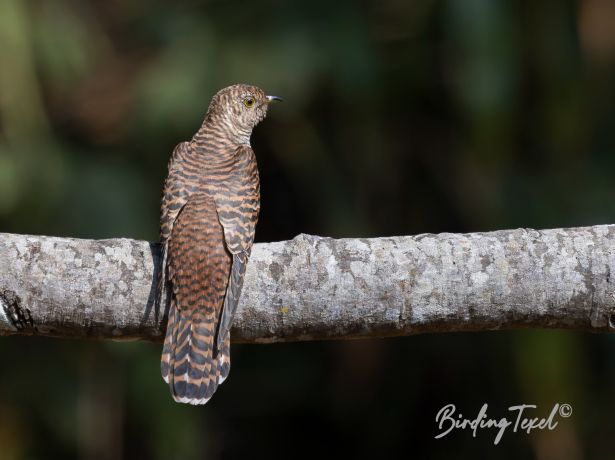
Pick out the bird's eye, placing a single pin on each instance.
(249, 102)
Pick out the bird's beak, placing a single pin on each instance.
(271, 99)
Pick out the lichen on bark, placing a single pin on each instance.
(320, 288)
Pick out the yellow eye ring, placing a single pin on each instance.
(249, 102)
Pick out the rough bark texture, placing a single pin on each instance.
(315, 288)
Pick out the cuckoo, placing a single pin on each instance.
(210, 206)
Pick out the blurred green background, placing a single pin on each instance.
(401, 117)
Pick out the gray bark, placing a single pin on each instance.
(322, 288)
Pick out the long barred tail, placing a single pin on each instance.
(188, 365)
(198, 267)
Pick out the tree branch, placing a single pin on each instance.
(317, 288)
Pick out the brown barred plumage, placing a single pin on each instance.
(209, 210)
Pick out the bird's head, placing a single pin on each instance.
(239, 108)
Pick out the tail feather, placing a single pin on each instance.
(188, 364)
(224, 359)
(167, 348)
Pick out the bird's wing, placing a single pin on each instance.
(177, 187)
(237, 205)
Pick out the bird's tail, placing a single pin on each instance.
(189, 364)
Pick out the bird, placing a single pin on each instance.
(209, 210)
